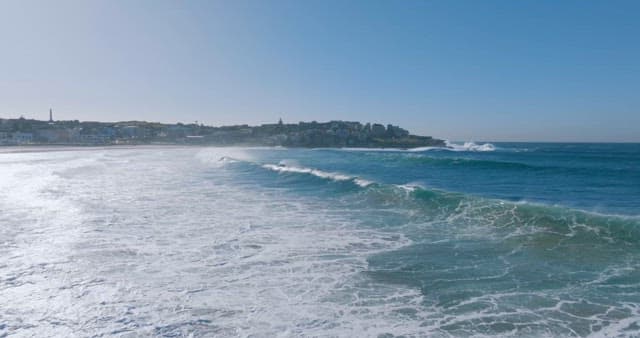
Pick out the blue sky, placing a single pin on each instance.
(460, 70)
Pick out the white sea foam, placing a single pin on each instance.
(141, 248)
(314, 172)
(39, 227)
(362, 182)
(409, 187)
(318, 173)
(421, 149)
(449, 146)
(470, 146)
(157, 243)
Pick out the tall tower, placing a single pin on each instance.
(50, 115)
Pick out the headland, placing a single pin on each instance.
(22, 131)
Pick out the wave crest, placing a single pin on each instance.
(522, 218)
(450, 146)
(318, 173)
(470, 146)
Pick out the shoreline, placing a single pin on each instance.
(45, 148)
(41, 148)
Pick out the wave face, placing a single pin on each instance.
(518, 240)
(470, 146)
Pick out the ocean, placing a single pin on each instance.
(502, 239)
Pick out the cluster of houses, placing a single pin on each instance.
(27, 131)
(303, 134)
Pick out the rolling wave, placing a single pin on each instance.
(449, 146)
(469, 162)
(318, 173)
(522, 218)
(470, 146)
(475, 163)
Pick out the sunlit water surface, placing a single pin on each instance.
(511, 240)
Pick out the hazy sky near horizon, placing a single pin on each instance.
(460, 70)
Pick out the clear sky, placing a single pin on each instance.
(460, 70)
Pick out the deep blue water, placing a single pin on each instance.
(601, 178)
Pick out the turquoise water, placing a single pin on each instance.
(506, 239)
(511, 239)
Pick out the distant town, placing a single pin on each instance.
(24, 131)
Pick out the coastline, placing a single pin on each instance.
(45, 148)
(42, 148)
(23, 132)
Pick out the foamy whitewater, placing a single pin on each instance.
(472, 240)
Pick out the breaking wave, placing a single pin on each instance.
(318, 173)
(485, 265)
(449, 146)
(432, 205)
(470, 146)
